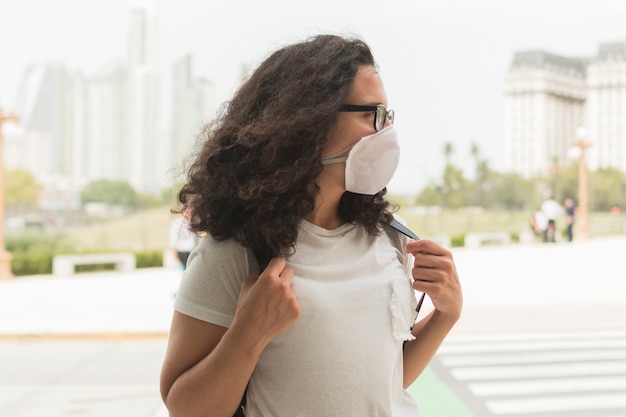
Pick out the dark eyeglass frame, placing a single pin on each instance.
(381, 113)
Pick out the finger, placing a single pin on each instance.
(431, 275)
(426, 246)
(278, 271)
(286, 276)
(275, 265)
(425, 260)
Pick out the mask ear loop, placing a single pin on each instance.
(336, 157)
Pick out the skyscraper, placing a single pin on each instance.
(548, 97)
(48, 101)
(105, 148)
(145, 144)
(193, 105)
(606, 104)
(545, 97)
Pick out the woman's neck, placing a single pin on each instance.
(326, 213)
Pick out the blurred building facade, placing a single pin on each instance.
(606, 107)
(193, 103)
(110, 124)
(548, 97)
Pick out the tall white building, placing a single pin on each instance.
(147, 148)
(548, 97)
(606, 107)
(51, 105)
(105, 146)
(545, 104)
(49, 102)
(193, 105)
(75, 129)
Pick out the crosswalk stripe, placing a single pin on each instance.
(563, 403)
(532, 357)
(555, 375)
(544, 386)
(531, 345)
(539, 371)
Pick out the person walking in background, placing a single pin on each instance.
(295, 170)
(551, 210)
(181, 239)
(539, 224)
(570, 210)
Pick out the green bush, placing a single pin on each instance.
(31, 263)
(38, 242)
(458, 241)
(32, 254)
(149, 259)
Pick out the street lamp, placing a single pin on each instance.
(582, 221)
(5, 257)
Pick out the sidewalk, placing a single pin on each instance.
(578, 286)
(137, 302)
(532, 287)
(92, 344)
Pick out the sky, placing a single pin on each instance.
(443, 62)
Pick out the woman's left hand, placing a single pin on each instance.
(435, 274)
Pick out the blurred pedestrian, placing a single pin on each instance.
(539, 224)
(181, 239)
(570, 210)
(551, 209)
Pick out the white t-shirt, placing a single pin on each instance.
(551, 209)
(343, 356)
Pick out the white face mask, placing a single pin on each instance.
(371, 162)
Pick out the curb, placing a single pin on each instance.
(114, 336)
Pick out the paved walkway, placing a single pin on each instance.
(532, 287)
(92, 344)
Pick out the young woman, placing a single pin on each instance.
(296, 170)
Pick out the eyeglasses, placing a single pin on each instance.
(381, 114)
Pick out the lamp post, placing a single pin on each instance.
(582, 221)
(5, 257)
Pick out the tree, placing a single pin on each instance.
(510, 191)
(566, 184)
(110, 192)
(446, 187)
(429, 196)
(456, 187)
(481, 176)
(605, 191)
(21, 191)
(448, 151)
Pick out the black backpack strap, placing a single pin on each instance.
(395, 224)
(403, 229)
(262, 259)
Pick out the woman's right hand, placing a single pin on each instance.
(267, 304)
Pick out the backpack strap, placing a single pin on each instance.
(395, 224)
(262, 259)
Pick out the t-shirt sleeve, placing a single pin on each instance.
(210, 286)
(400, 241)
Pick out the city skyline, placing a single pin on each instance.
(443, 62)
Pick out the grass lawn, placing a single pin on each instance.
(149, 229)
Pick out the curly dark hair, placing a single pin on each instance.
(254, 176)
